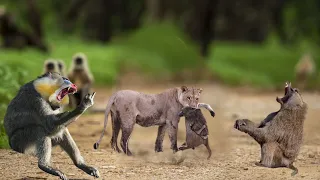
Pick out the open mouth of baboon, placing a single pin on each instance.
(71, 89)
(287, 93)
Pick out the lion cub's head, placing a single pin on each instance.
(189, 97)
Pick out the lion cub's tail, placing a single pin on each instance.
(111, 100)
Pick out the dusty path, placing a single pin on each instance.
(234, 153)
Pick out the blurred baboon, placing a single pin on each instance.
(80, 74)
(34, 126)
(13, 37)
(281, 135)
(61, 67)
(304, 70)
(50, 65)
(196, 129)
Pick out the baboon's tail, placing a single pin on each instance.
(111, 100)
(295, 170)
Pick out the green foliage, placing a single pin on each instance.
(10, 83)
(267, 65)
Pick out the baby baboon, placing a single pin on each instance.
(80, 74)
(281, 135)
(129, 107)
(50, 65)
(304, 69)
(196, 129)
(34, 127)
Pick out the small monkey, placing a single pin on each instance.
(304, 69)
(280, 135)
(61, 67)
(34, 127)
(196, 129)
(80, 74)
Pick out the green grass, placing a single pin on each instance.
(268, 65)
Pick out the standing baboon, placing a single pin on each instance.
(196, 129)
(304, 70)
(34, 127)
(281, 135)
(80, 74)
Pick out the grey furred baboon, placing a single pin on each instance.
(196, 129)
(129, 107)
(281, 134)
(34, 127)
(80, 74)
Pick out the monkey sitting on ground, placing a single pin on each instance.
(196, 129)
(34, 127)
(281, 135)
(62, 67)
(80, 74)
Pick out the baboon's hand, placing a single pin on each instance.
(241, 124)
(87, 101)
(94, 172)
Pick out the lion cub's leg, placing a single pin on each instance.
(127, 124)
(115, 119)
(160, 137)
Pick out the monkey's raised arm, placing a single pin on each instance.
(249, 127)
(208, 107)
(66, 118)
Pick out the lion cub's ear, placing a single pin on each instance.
(184, 88)
(200, 90)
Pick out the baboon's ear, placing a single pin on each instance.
(184, 88)
(200, 90)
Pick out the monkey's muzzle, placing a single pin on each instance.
(67, 88)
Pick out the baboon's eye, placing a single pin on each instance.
(197, 99)
(189, 98)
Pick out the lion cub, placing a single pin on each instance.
(196, 129)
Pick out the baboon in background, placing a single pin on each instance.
(304, 70)
(34, 126)
(50, 65)
(62, 67)
(281, 136)
(80, 74)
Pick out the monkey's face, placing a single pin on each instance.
(292, 96)
(50, 66)
(79, 63)
(54, 88)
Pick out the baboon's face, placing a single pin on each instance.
(54, 88)
(60, 65)
(292, 96)
(50, 66)
(187, 111)
(189, 96)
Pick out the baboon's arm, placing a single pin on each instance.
(267, 119)
(208, 107)
(247, 126)
(65, 118)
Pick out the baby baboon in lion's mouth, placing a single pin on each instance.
(129, 107)
(281, 134)
(196, 129)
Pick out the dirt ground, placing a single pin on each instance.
(234, 153)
